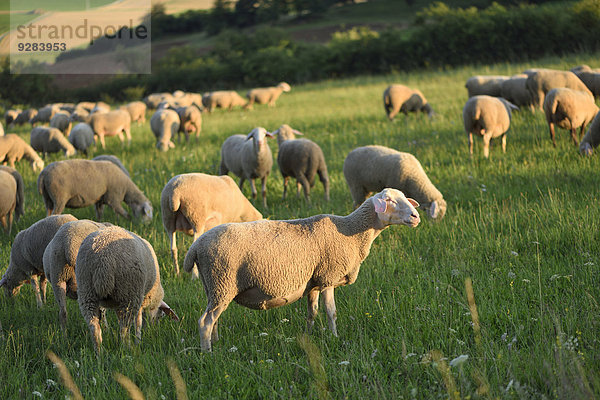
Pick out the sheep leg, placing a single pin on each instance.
(581, 131)
(121, 138)
(4, 224)
(207, 322)
(35, 284)
(126, 318)
(329, 303)
(285, 184)
(138, 326)
(43, 284)
(91, 313)
(551, 126)
(102, 141)
(324, 178)
(574, 136)
(253, 189)
(174, 252)
(60, 294)
(99, 210)
(263, 188)
(504, 143)
(195, 272)
(470, 143)
(298, 186)
(306, 186)
(103, 317)
(313, 308)
(214, 337)
(241, 184)
(486, 145)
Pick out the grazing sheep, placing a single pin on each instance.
(248, 159)
(110, 124)
(295, 258)
(13, 149)
(26, 257)
(118, 269)
(81, 183)
(68, 107)
(489, 85)
(569, 109)
(190, 121)
(8, 200)
(50, 140)
(61, 121)
(82, 137)
(301, 159)
(25, 116)
(591, 140)
(45, 114)
(153, 100)
(137, 111)
(591, 80)
(543, 80)
(81, 115)
(398, 98)
(372, 168)
(11, 115)
(100, 107)
(223, 99)
(515, 91)
(113, 159)
(164, 124)
(267, 95)
(19, 194)
(86, 105)
(194, 203)
(488, 117)
(59, 261)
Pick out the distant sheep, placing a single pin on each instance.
(8, 200)
(45, 114)
(490, 85)
(50, 140)
(112, 123)
(591, 79)
(25, 116)
(11, 115)
(153, 100)
(591, 140)
(190, 121)
(223, 99)
(137, 111)
(61, 121)
(400, 98)
(165, 124)
(18, 197)
(13, 149)
(542, 81)
(569, 109)
(267, 95)
(515, 91)
(82, 137)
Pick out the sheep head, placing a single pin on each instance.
(585, 149)
(284, 86)
(393, 208)
(259, 136)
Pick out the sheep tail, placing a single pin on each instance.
(103, 281)
(40, 183)
(477, 114)
(554, 105)
(188, 263)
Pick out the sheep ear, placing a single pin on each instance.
(164, 307)
(270, 135)
(380, 204)
(413, 202)
(296, 132)
(434, 210)
(148, 210)
(250, 135)
(276, 132)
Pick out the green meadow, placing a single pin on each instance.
(522, 229)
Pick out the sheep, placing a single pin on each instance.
(110, 124)
(153, 100)
(295, 258)
(81, 183)
(194, 203)
(591, 140)
(81, 115)
(137, 111)
(61, 121)
(190, 121)
(372, 168)
(301, 159)
(118, 269)
(398, 98)
(100, 107)
(82, 137)
(26, 257)
(19, 194)
(8, 200)
(1, 129)
(488, 117)
(113, 159)
(543, 80)
(13, 148)
(515, 91)
(489, 85)
(44, 114)
(164, 124)
(85, 105)
(68, 107)
(25, 116)
(591, 80)
(267, 95)
(11, 115)
(569, 109)
(59, 261)
(50, 140)
(248, 159)
(223, 99)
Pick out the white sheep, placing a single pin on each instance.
(370, 169)
(26, 257)
(62, 121)
(59, 261)
(9, 196)
(294, 258)
(113, 159)
(222, 99)
(11, 115)
(301, 159)
(400, 98)
(266, 95)
(515, 91)
(190, 121)
(137, 111)
(154, 99)
(591, 140)
(164, 124)
(1, 129)
(81, 183)
(542, 81)
(249, 157)
(118, 269)
(13, 149)
(100, 107)
(488, 117)
(489, 85)
(194, 203)
(82, 137)
(25, 116)
(112, 123)
(50, 140)
(569, 109)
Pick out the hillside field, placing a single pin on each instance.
(523, 226)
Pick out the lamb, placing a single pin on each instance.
(569, 109)
(591, 80)
(194, 203)
(267, 95)
(81, 183)
(398, 98)
(13, 148)
(295, 258)
(488, 117)
(542, 81)
(25, 116)
(110, 124)
(50, 140)
(248, 159)
(372, 168)
(59, 261)
(489, 85)
(44, 114)
(11, 115)
(113, 159)
(118, 269)
(302, 159)
(223, 99)
(61, 121)
(591, 140)
(164, 124)
(18, 196)
(137, 111)
(26, 257)
(515, 91)
(8, 200)
(190, 121)
(82, 137)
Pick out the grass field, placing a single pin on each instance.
(523, 226)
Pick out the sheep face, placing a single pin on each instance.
(585, 149)
(393, 208)
(12, 286)
(163, 309)
(284, 86)
(143, 211)
(37, 165)
(259, 135)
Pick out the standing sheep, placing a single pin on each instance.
(190, 121)
(82, 137)
(8, 200)
(398, 98)
(542, 81)
(302, 159)
(110, 124)
(50, 140)
(137, 111)
(81, 183)
(59, 261)
(62, 121)
(295, 258)
(248, 157)
(489, 85)
(488, 117)
(118, 269)
(19, 194)
(372, 168)
(13, 149)
(515, 91)
(267, 95)
(164, 124)
(223, 99)
(26, 257)
(569, 109)
(194, 203)
(591, 140)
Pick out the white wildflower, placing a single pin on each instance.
(162, 396)
(410, 355)
(77, 363)
(514, 253)
(263, 334)
(458, 361)
(233, 349)
(345, 362)
(511, 275)
(589, 263)
(555, 276)
(269, 361)
(526, 280)
(50, 382)
(374, 353)
(94, 381)
(283, 321)
(36, 393)
(509, 386)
